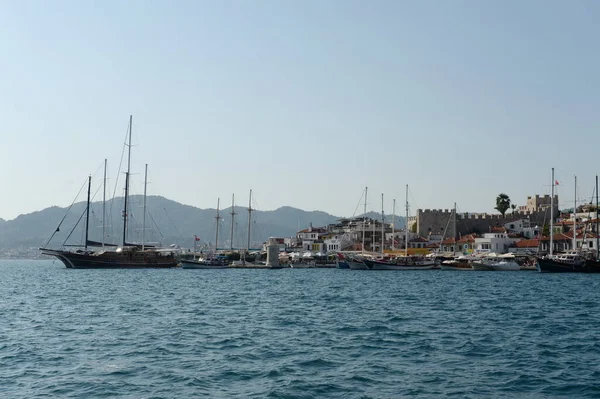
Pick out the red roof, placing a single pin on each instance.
(449, 241)
(534, 243)
(419, 239)
(580, 234)
(558, 237)
(498, 229)
(467, 239)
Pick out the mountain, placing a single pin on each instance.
(167, 222)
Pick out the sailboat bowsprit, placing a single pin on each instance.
(128, 256)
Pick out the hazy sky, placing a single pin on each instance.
(306, 102)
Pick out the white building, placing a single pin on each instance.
(494, 242)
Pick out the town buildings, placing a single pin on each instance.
(467, 233)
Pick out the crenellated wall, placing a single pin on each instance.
(435, 221)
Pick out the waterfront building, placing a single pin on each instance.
(497, 241)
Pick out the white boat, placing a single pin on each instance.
(356, 264)
(495, 262)
(460, 263)
(203, 264)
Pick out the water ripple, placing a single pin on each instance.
(295, 333)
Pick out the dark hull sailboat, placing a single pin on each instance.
(406, 265)
(548, 265)
(127, 256)
(130, 258)
(545, 265)
(573, 262)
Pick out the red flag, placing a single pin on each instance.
(556, 182)
(196, 238)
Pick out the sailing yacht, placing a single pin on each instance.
(355, 262)
(129, 256)
(570, 262)
(212, 261)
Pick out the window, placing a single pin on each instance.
(591, 244)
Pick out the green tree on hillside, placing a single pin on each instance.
(502, 203)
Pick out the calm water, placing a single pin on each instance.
(296, 333)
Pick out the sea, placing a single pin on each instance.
(296, 333)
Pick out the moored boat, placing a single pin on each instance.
(214, 263)
(129, 256)
(400, 265)
(357, 264)
(460, 263)
(504, 262)
(570, 262)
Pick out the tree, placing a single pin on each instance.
(502, 203)
(546, 230)
(513, 207)
(413, 228)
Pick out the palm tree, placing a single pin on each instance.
(513, 207)
(502, 203)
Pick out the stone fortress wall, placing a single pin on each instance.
(436, 221)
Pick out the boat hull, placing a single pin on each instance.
(190, 264)
(356, 265)
(302, 265)
(376, 265)
(552, 266)
(506, 267)
(450, 267)
(481, 267)
(140, 260)
(342, 264)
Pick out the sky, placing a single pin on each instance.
(305, 102)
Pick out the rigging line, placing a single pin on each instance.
(74, 227)
(360, 201)
(118, 172)
(66, 213)
(413, 198)
(179, 236)
(155, 225)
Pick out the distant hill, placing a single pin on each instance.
(167, 222)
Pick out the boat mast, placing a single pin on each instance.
(127, 182)
(454, 230)
(87, 212)
(232, 217)
(393, 222)
(364, 221)
(597, 236)
(575, 218)
(382, 226)
(218, 218)
(552, 214)
(373, 236)
(144, 217)
(104, 207)
(249, 218)
(406, 226)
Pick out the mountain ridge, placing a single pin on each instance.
(167, 222)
